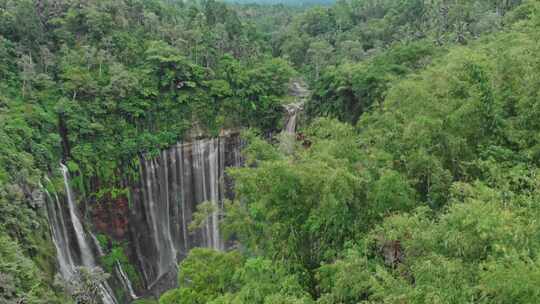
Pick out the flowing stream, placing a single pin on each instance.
(288, 136)
(87, 256)
(60, 236)
(125, 280)
(66, 253)
(291, 118)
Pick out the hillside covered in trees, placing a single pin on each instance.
(178, 152)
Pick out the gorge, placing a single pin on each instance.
(163, 203)
(172, 185)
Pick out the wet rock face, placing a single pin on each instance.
(165, 199)
(111, 217)
(155, 222)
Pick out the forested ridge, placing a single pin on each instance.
(413, 176)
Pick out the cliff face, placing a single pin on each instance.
(111, 217)
(171, 187)
(153, 224)
(153, 227)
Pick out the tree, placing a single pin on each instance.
(208, 276)
(319, 53)
(283, 204)
(28, 73)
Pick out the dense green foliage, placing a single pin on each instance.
(353, 51)
(356, 29)
(137, 74)
(346, 91)
(97, 83)
(208, 276)
(419, 183)
(431, 198)
(20, 277)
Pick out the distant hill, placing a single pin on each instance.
(284, 2)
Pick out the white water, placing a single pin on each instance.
(97, 245)
(59, 236)
(105, 289)
(61, 240)
(207, 162)
(301, 93)
(166, 224)
(86, 253)
(125, 280)
(292, 115)
(107, 295)
(157, 211)
(172, 185)
(287, 138)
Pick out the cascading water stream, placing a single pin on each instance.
(288, 135)
(292, 117)
(59, 236)
(97, 245)
(299, 90)
(87, 257)
(121, 274)
(171, 186)
(125, 280)
(66, 261)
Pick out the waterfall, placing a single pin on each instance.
(291, 118)
(87, 256)
(97, 245)
(61, 240)
(172, 185)
(107, 295)
(157, 209)
(59, 235)
(125, 280)
(105, 288)
(287, 138)
(298, 89)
